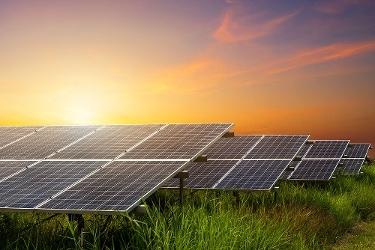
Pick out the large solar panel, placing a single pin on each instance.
(327, 149)
(277, 147)
(253, 175)
(45, 179)
(11, 134)
(98, 185)
(8, 168)
(119, 186)
(178, 141)
(45, 142)
(108, 142)
(315, 170)
(232, 147)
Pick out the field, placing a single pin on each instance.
(300, 216)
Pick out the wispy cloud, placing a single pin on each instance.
(321, 55)
(337, 6)
(237, 26)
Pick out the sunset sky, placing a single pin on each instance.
(269, 66)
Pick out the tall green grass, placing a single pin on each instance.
(303, 216)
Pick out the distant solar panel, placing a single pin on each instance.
(355, 157)
(11, 134)
(204, 175)
(178, 141)
(315, 169)
(357, 150)
(108, 142)
(8, 168)
(253, 175)
(327, 149)
(38, 183)
(352, 166)
(277, 147)
(232, 147)
(119, 186)
(45, 142)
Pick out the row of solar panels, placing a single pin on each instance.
(100, 169)
(258, 162)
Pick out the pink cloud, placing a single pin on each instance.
(237, 26)
(337, 6)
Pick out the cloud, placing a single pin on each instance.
(239, 26)
(337, 6)
(321, 55)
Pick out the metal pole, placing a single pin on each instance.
(181, 191)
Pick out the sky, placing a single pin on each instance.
(269, 66)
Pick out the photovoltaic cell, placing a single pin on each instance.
(45, 179)
(8, 168)
(11, 134)
(108, 142)
(121, 185)
(44, 142)
(327, 149)
(231, 147)
(315, 169)
(178, 141)
(277, 147)
(204, 175)
(253, 175)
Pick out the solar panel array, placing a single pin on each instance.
(320, 160)
(76, 169)
(102, 169)
(243, 163)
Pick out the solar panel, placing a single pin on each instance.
(45, 179)
(357, 150)
(253, 175)
(232, 147)
(277, 147)
(45, 142)
(327, 149)
(178, 141)
(8, 168)
(218, 174)
(352, 166)
(51, 185)
(204, 175)
(315, 169)
(356, 154)
(11, 134)
(121, 185)
(108, 142)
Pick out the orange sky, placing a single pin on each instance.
(270, 67)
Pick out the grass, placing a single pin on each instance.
(304, 216)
